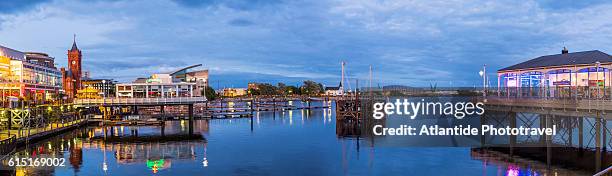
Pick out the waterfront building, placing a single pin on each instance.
(584, 74)
(179, 83)
(105, 87)
(234, 92)
(155, 89)
(334, 91)
(199, 77)
(89, 93)
(71, 77)
(28, 75)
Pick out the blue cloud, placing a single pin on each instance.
(569, 4)
(16, 6)
(408, 43)
(234, 4)
(240, 22)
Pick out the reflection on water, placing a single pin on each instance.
(281, 143)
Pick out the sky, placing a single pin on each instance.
(413, 43)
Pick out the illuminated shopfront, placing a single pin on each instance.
(580, 74)
(30, 76)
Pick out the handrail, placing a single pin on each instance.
(139, 100)
(605, 171)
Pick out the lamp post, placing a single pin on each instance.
(104, 88)
(483, 74)
(575, 80)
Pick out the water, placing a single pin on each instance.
(286, 143)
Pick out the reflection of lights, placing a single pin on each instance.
(257, 117)
(182, 125)
(329, 117)
(104, 166)
(205, 162)
(290, 120)
(324, 114)
(512, 170)
(155, 164)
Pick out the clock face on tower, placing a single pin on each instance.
(73, 62)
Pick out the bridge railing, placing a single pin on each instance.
(563, 103)
(128, 101)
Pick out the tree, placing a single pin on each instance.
(266, 89)
(252, 91)
(311, 88)
(209, 92)
(292, 90)
(281, 89)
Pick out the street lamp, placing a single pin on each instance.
(575, 80)
(483, 74)
(104, 88)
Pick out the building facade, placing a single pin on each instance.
(234, 92)
(31, 76)
(583, 74)
(155, 90)
(199, 77)
(179, 83)
(104, 87)
(71, 77)
(334, 91)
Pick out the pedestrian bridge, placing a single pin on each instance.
(138, 101)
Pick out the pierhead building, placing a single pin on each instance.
(71, 77)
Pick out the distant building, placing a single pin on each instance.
(89, 93)
(105, 87)
(179, 83)
(141, 80)
(71, 77)
(30, 75)
(199, 77)
(234, 92)
(578, 74)
(334, 91)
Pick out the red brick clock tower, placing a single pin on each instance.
(71, 78)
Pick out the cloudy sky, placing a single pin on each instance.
(407, 42)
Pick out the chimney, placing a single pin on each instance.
(564, 51)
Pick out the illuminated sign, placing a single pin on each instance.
(564, 82)
(596, 83)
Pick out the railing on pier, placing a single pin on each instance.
(7, 145)
(558, 103)
(140, 101)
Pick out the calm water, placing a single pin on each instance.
(286, 143)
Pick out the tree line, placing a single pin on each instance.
(307, 88)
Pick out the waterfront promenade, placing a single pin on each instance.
(20, 134)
